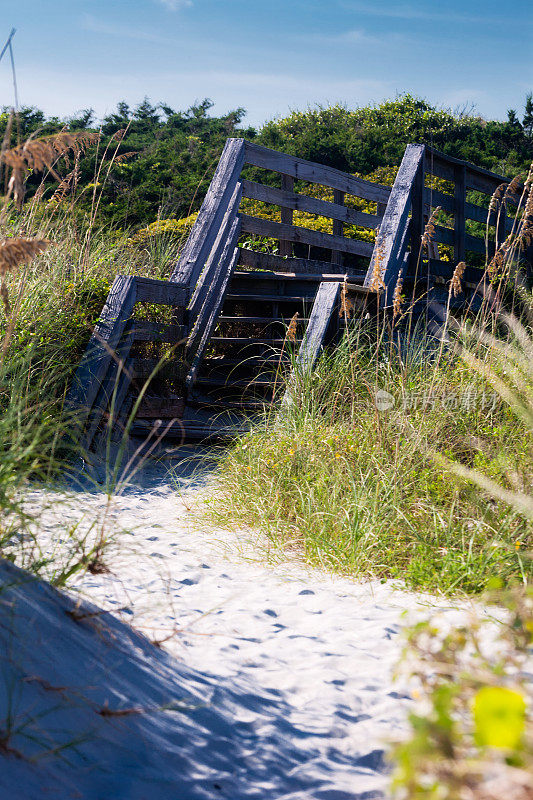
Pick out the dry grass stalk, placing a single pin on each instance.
(291, 330)
(377, 281)
(36, 155)
(429, 230)
(397, 296)
(347, 306)
(497, 262)
(13, 253)
(513, 187)
(125, 156)
(455, 283)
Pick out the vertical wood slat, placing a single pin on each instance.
(392, 241)
(337, 257)
(324, 308)
(204, 281)
(113, 387)
(459, 213)
(208, 315)
(287, 184)
(102, 346)
(417, 219)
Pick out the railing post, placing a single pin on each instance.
(287, 183)
(338, 229)
(459, 212)
(390, 249)
(204, 231)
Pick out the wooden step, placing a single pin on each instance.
(296, 276)
(200, 400)
(268, 298)
(266, 320)
(251, 340)
(229, 383)
(187, 431)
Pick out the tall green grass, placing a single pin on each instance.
(357, 489)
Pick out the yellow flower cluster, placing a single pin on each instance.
(175, 228)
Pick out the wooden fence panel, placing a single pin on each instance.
(293, 233)
(300, 169)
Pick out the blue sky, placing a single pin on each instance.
(270, 56)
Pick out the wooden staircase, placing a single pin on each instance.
(221, 348)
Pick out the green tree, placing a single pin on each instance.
(527, 120)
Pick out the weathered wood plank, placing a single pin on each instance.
(205, 229)
(459, 212)
(325, 305)
(443, 166)
(391, 245)
(203, 286)
(324, 308)
(338, 228)
(314, 173)
(252, 258)
(447, 203)
(151, 290)
(287, 185)
(144, 331)
(102, 346)
(113, 388)
(311, 205)
(206, 321)
(293, 233)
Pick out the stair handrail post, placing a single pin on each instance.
(203, 234)
(397, 228)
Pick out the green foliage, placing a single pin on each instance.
(363, 139)
(177, 151)
(471, 731)
(355, 488)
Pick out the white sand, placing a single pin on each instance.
(297, 664)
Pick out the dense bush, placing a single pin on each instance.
(170, 156)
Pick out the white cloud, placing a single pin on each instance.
(356, 36)
(412, 12)
(95, 25)
(176, 5)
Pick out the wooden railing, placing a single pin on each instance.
(198, 284)
(103, 378)
(412, 200)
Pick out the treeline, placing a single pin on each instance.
(166, 157)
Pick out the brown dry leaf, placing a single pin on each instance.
(13, 253)
(39, 154)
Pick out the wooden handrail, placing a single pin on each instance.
(206, 227)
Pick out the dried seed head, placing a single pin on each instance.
(496, 198)
(513, 187)
(291, 330)
(455, 283)
(14, 252)
(429, 230)
(36, 155)
(497, 261)
(397, 296)
(346, 306)
(125, 156)
(529, 180)
(377, 282)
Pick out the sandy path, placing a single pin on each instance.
(308, 657)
